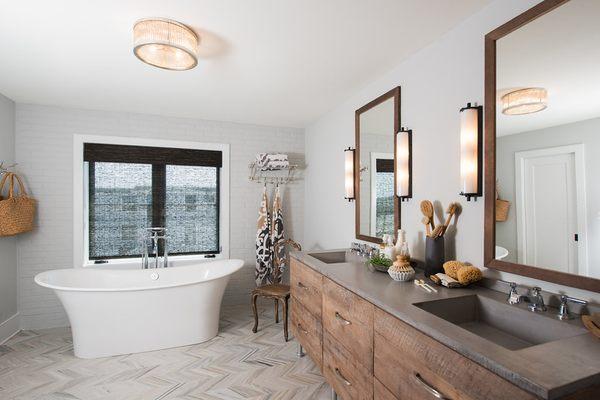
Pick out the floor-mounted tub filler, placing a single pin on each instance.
(130, 311)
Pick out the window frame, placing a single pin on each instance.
(81, 194)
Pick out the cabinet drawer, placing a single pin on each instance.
(350, 379)
(412, 365)
(308, 331)
(380, 392)
(306, 287)
(349, 319)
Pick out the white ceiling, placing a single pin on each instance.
(559, 51)
(272, 62)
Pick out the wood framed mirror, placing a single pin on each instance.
(542, 144)
(377, 208)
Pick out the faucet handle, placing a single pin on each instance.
(536, 291)
(563, 309)
(513, 296)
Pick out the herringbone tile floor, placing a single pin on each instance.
(237, 364)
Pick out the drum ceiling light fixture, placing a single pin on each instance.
(165, 43)
(525, 101)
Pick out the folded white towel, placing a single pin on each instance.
(271, 162)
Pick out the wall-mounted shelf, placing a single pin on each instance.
(275, 177)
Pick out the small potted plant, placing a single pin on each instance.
(380, 263)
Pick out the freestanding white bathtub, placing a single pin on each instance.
(117, 311)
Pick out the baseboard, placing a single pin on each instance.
(9, 328)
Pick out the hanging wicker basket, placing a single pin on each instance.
(502, 207)
(17, 212)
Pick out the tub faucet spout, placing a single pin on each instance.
(152, 237)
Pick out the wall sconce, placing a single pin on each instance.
(471, 139)
(349, 173)
(404, 164)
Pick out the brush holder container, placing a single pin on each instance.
(434, 255)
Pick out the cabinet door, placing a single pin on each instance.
(350, 379)
(349, 319)
(308, 331)
(306, 287)
(414, 366)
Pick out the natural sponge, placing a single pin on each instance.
(468, 274)
(451, 268)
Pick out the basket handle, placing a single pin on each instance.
(22, 190)
(4, 180)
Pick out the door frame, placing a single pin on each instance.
(579, 152)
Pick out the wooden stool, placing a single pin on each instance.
(276, 291)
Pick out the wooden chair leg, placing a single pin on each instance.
(255, 311)
(285, 319)
(276, 311)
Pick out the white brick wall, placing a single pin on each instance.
(44, 137)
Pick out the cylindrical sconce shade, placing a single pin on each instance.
(349, 173)
(404, 164)
(470, 151)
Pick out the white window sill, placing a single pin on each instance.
(133, 263)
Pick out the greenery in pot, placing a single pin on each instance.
(381, 263)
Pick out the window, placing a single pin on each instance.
(384, 187)
(131, 188)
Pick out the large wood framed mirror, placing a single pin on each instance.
(377, 207)
(542, 144)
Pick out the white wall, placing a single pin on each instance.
(436, 82)
(583, 132)
(44, 140)
(8, 247)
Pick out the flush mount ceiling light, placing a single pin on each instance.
(165, 43)
(524, 101)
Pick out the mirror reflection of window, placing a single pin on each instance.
(548, 141)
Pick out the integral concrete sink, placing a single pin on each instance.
(331, 257)
(508, 326)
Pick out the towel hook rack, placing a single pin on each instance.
(280, 176)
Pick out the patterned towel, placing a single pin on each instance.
(272, 162)
(264, 248)
(278, 234)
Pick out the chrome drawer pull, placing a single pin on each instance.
(429, 388)
(302, 330)
(342, 319)
(341, 377)
(302, 286)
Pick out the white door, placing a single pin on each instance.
(551, 208)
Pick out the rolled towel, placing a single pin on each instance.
(272, 162)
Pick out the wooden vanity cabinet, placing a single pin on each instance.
(366, 353)
(412, 365)
(306, 287)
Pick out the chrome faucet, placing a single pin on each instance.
(536, 301)
(563, 309)
(363, 250)
(513, 296)
(151, 237)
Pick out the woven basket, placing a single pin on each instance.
(17, 211)
(502, 207)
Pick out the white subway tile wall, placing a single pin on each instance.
(44, 151)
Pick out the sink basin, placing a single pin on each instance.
(509, 326)
(331, 257)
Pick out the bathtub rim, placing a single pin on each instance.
(39, 280)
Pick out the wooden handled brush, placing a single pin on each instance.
(427, 210)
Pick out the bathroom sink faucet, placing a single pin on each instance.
(513, 296)
(563, 309)
(152, 237)
(536, 301)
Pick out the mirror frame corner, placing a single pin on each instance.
(395, 94)
(561, 278)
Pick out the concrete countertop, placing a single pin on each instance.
(549, 370)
